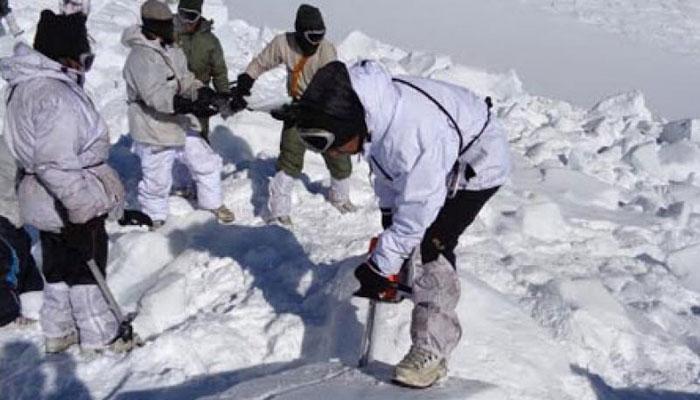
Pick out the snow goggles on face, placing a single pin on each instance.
(188, 16)
(316, 140)
(86, 60)
(315, 37)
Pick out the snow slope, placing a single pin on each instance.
(579, 279)
(672, 24)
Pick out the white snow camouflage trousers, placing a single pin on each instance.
(282, 184)
(434, 322)
(80, 308)
(157, 168)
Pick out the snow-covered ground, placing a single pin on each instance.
(580, 280)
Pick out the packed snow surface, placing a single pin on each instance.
(580, 279)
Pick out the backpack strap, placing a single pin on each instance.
(439, 106)
(12, 93)
(462, 150)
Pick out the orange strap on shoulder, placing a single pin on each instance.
(296, 76)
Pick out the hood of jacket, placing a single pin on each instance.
(378, 95)
(25, 64)
(133, 37)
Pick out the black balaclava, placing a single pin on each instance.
(164, 29)
(330, 103)
(309, 18)
(157, 20)
(62, 36)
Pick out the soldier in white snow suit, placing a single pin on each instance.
(303, 52)
(437, 154)
(164, 101)
(67, 190)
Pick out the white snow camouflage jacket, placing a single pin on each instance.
(413, 148)
(61, 142)
(154, 75)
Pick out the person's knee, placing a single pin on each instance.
(438, 285)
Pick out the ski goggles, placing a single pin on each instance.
(316, 140)
(315, 37)
(86, 60)
(188, 16)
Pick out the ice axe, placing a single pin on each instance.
(401, 292)
(125, 331)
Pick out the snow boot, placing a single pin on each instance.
(284, 220)
(344, 206)
(224, 215)
(23, 322)
(420, 369)
(97, 324)
(56, 318)
(119, 346)
(157, 224)
(15, 30)
(280, 201)
(339, 196)
(60, 344)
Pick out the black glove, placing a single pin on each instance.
(244, 83)
(287, 114)
(237, 103)
(387, 217)
(203, 107)
(135, 217)
(182, 105)
(377, 287)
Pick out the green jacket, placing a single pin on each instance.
(205, 57)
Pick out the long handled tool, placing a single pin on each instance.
(368, 337)
(126, 331)
(405, 281)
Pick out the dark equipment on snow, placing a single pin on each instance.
(18, 271)
(135, 218)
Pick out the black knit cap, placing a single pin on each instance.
(330, 103)
(309, 18)
(62, 36)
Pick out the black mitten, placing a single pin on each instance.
(244, 83)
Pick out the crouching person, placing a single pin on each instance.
(19, 278)
(165, 101)
(303, 52)
(438, 155)
(67, 190)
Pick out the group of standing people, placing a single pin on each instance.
(437, 153)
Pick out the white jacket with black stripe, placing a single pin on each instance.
(58, 138)
(413, 148)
